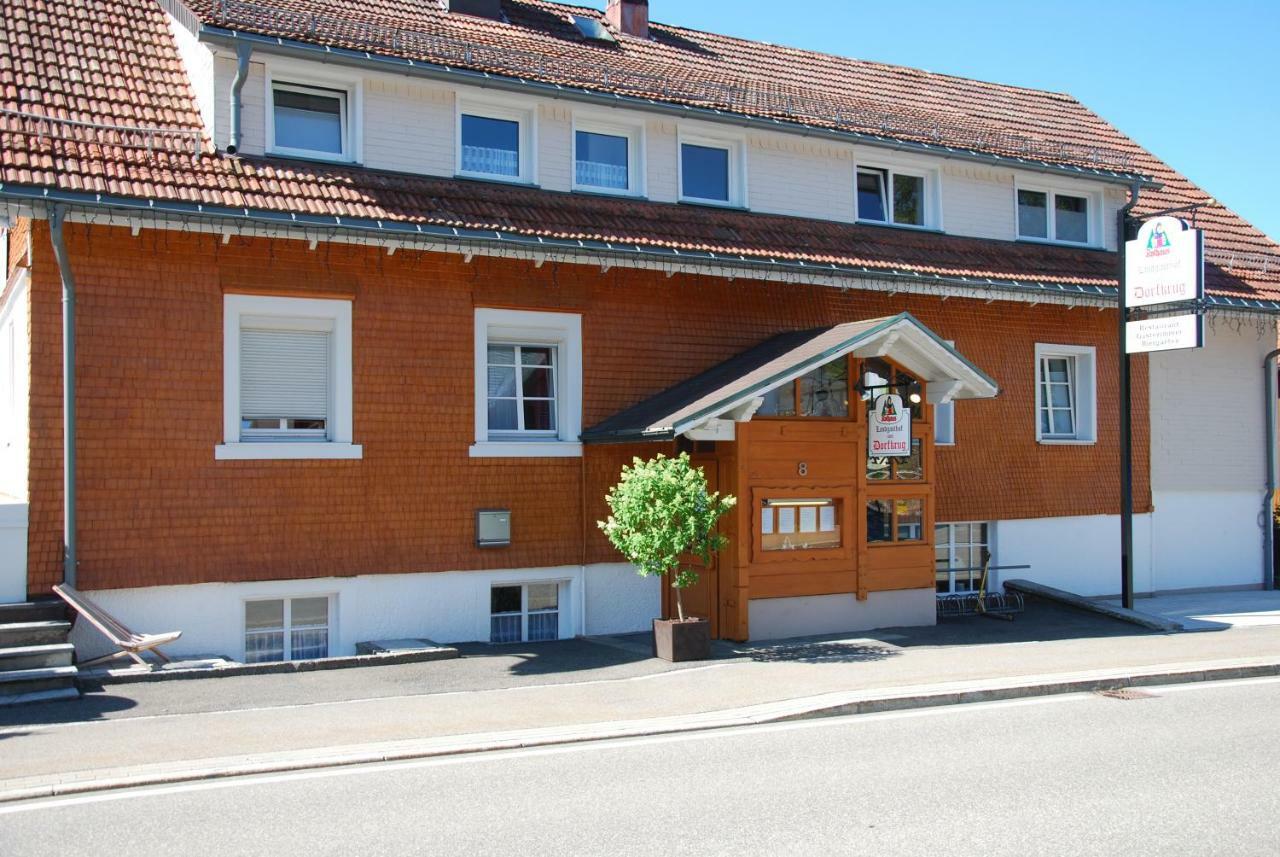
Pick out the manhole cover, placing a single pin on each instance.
(1125, 693)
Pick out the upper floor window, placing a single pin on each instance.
(1065, 394)
(888, 196)
(1052, 216)
(495, 143)
(710, 171)
(311, 121)
(606, 157)
(528, 384)
(286, 378)
(821, 392)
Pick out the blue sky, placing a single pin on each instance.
(1197, 83)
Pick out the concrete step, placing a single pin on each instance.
(16, 682)
(33, 633)
(35, 657)
(57, 695)
(42, 610)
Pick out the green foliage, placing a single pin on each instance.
(662, 512)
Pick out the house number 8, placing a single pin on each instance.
(803, 468)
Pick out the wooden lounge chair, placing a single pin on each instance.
(130, 644)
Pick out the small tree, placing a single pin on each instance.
(663, 512)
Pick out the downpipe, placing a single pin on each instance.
(57, 216)
(1273, 478)
(243, 52)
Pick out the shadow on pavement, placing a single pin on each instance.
(91, 706)
(1043, 621)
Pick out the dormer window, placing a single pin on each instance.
(1048, 215)
(309, 121)
(888, 196)
(711, 171)
(494, 143)
(607, 157)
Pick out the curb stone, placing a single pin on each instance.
(827, 705)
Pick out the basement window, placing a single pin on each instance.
(528, 613)
(286, 629)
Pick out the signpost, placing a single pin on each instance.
(1161, 268)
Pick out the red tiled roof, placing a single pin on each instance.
(115, 62)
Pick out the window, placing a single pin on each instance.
(522, 390)
(495, 143)
(908, 468)
(887, 196)
(879, 376)
(895, 521)
(711, 171)
(822, 392)
(1070, 221)
(286, 378)
(800, 524)
(944, 424)
(286, 629)
(312, 118)
(958, 556)
(607, 157)
(528, 383)
(1065, 409)
(524, 614)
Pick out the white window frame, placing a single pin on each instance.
(528, 327)
(951, 546)
(297, 314)
(1093, 215)
(288, 600)
(930, 200)
(1084, 392)
(735, 146)
(562, 589)
(510, 111)
(634, 133)
(305, 76)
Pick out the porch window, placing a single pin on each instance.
(800, 524)
(822, 392)
(879, 377)
(907, 469)
(891, 521)
(527, 613)
(958, 556)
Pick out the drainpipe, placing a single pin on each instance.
(1273, 477)
(56, 217)
(243, 51)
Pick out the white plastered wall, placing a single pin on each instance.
(448, 607)
(1208, 459)
(15, 378)
(780, 618)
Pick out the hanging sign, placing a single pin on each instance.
(1164, 264)
(1164, 334)
(889, 430)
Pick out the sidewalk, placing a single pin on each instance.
(179, 730)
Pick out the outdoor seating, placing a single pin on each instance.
(129, 643)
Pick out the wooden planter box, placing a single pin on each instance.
(675, 641)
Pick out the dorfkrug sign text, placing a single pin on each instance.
(1164, 264)
(889, 429)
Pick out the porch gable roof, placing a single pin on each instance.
(732, 388)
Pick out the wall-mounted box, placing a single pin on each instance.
(493, 528)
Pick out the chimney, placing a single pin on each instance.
(479, 8)
(629, 16)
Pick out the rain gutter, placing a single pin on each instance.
(1273, 477)
(57, 216)
(238, 39)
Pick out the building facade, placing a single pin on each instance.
(335, 302)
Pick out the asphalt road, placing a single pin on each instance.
(1190, 770)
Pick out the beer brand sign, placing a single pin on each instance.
(889, 429)
(1164, 264)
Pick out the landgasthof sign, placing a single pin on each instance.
(1164, 334)
(1164, 264)
(889, 430)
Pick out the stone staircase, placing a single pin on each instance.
(37, 664)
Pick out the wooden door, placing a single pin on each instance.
(703, 599)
